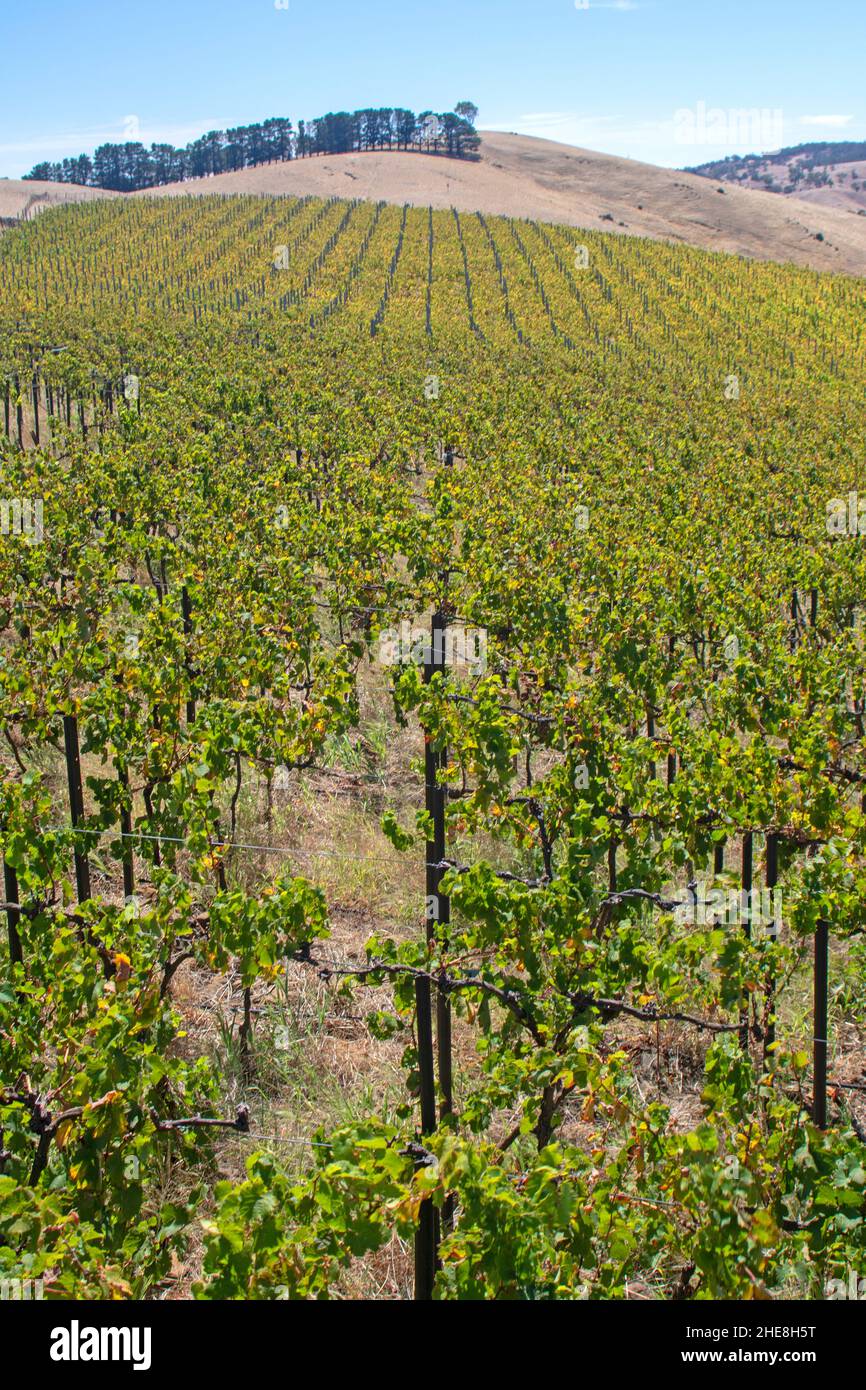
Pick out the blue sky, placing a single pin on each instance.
(660, 80)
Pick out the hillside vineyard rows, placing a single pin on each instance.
(579, 516)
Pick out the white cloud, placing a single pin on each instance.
(607, 5)
(833, 122)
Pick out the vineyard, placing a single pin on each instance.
(433, 810)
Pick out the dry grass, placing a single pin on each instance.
(29, 197)
(520, 176)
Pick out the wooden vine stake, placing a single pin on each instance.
(771, 879)
(34, 396)
(76, 802)
(438, 904)
(437, 913)
(19, 413)
(822, 1021)
(13, 916)
(672, 757)
(746, 885)
(426, 1243)
(186, 611)
(438, 803)
(126, 834)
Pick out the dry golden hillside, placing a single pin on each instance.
(520, 176)
(27, 197)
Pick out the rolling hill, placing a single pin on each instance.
(24, 198)
(521, 176)
(828, 175)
